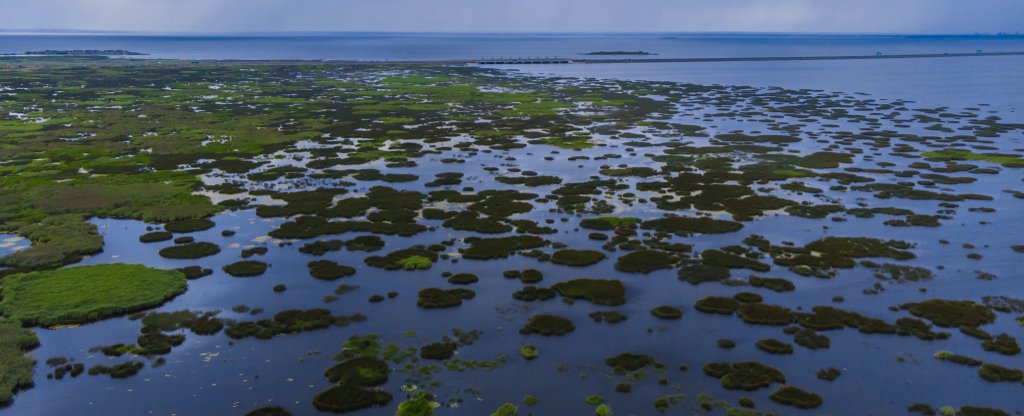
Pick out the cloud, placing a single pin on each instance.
(903, 16)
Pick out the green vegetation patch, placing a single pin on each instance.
(667, 312)
(412, 258)
(577, 258)
(86, 293)
(796, 397)
(548, 325)
(190, 251)
(645, 261)
(329, 270)
(746, 375)
(599, 291)
(951, 313)
(16, 370)
(246, 268)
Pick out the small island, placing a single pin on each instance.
(612, 53)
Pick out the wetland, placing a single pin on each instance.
(315, 238)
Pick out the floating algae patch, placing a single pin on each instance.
(190, 251)
(83, 294)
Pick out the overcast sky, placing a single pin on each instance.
(205, 16)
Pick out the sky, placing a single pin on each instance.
(234, 16)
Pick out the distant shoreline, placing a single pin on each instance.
(15, 60)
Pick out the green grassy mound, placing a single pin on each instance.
(87, 293)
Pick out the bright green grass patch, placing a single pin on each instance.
(569, 143)
(1002, 159)
(396, 120)
(415, 263)
(793, 173)
(82, 294)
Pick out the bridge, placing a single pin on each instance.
(521, 61)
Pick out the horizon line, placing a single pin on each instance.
(335, 32)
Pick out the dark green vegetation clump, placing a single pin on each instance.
(246, 268)
(579, 258)
(190, 251)
(433, 298)
(796, 397)
(156, 236)
(195, 272)
(190, 225)
(122, 370)
(463, 279)
(361, 371)
(645, 261)
(717, 304)
(951, 313)
(269, 411)
(329, 270)
(501, 247)
(547, 325)
(438, 351)
(599, 291)
(346, 398)
(319, 248)
(626, 361)
(765, 314)
(1003, 344)
(86, 293)
(289, 321)
(746, 375)
(667, 312)
(774, 346)
(365, 243)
